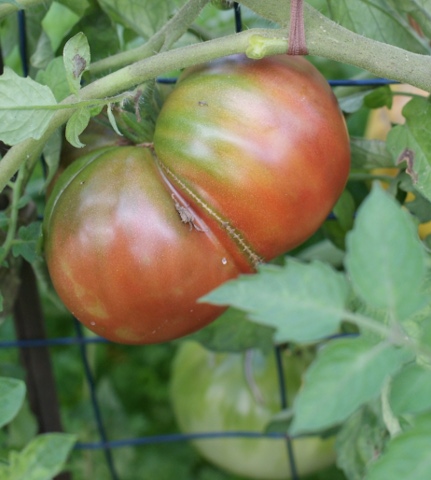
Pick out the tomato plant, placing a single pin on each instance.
(249, 158)
(222, 392)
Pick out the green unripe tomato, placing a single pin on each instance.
(222, 392)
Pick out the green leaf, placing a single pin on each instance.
(361, 437)
(353, 102)
(385, 259)
(112, 120)
(54, 76)
(51, 154)
(12, 393)
(76, 57)
(346, 374)
(101, 32)
(380, 97)
(77, 6)
(76, 125)
(302, 302)
(23, 112)
(411, 390)
(379, 20)
(419, 10)
(232, 332)
(28, 237)
(42, 458)
(344, 210)
(411, 141)
(145, 17)
(336, 228)
(368, 154)
(57, 23)
(406, 455)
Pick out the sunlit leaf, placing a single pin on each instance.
(12, 392)
(303, 302)
(24, 108)
(385, 259)
(42, 458)
(346, 374)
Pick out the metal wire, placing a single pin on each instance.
(95, 402)
(284, 404)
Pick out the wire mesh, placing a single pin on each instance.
(82, 342)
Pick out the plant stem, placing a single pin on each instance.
(161, 41)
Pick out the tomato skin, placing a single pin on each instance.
(255, 151)
(221, 392)
(262, 142)
(120, 258)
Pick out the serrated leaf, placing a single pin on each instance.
(406, 455)
(411, 390)
(413, 136)
(76, 125)
(12, 393)
(385, 259)
(42, 458)
(25, 245)
(24, 108)
(346, 374)
(76, 57)
(232, 332)
(303, 302)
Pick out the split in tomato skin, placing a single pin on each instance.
(249, 157)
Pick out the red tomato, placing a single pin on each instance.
(249, 158)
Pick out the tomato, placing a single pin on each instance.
(222, 392)
(249, 157)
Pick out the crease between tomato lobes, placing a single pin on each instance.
(256, 152)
